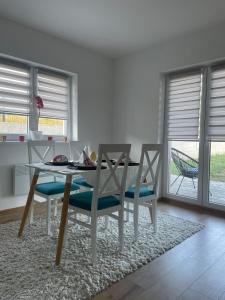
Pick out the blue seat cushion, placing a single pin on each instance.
(84, 200)
(82, 182)
(53, 188)
(144, 191)
(190, 172)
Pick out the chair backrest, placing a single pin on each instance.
(149, 168)
(182, 161)
(111, 181)
(40, 151)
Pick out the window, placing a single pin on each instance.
(19, 84)
(216, 124)
(184, 93)
(54, 90)
(216, 135)
(195, 135)
(14, 99)
(183, 129)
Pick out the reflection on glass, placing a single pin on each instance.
(183, 168)
(13, 124)
(52, 126)
(217, 173)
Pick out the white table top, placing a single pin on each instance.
(88, 174)
(63, 170)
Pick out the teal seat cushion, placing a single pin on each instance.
(144, 191)
(82, 182)
(84, 200)
(53, 188)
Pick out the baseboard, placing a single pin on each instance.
(14, 214)
(194, 207)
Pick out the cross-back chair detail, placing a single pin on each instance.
(113, 175)
(37, 146)
(104, 200)
(145, 190)
(155, 161)
(43, 151)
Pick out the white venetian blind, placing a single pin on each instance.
(54, 91)
(14, 89)
(184, 94)
(216, 124)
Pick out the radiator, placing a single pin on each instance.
(21, 180)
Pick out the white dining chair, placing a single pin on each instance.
(145, 191)
(106, 198)
(51, 191)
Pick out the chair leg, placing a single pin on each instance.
(48, 217)
(127, 212)
(106, 221)
(174, 180)
(151, 213)
(31, 215)
(121, 225)
(136, 208)
(193, 182)
(55, 208)
(75, 215)
(180, 185)
(154, 214)
(93, 239)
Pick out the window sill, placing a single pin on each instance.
(25, 142)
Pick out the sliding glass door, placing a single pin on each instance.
(182, 138)
(216, 177)
(215, 136)
(194, 169)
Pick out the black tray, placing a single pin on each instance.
(58, 163)
(113, 161)
(130, 164)
(80, 167)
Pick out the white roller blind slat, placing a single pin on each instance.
(184, 93)
(14, 89)
(54, 90)
(14, 70)
(216, 121)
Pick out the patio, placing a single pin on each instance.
(217, 189)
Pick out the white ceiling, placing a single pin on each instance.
(115, 27)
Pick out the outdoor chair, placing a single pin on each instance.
(186, 166)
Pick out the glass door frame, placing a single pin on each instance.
(207, 148)
(204, 148)
(199, 200)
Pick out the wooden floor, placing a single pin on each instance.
(193, 270)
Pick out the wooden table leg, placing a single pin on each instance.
(29, 201)
(63, 218)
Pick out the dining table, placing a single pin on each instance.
(69, 173)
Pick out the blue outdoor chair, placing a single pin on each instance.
(186, 166)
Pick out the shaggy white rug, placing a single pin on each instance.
(27, 269)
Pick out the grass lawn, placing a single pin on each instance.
(217, 167)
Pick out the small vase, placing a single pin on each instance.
(35, 135)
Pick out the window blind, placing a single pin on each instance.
(14, 89)
(216, 122)
(184, 94)
(54, 91)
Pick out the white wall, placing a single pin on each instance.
(135, 109)
(94, 91)
(137, 82)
